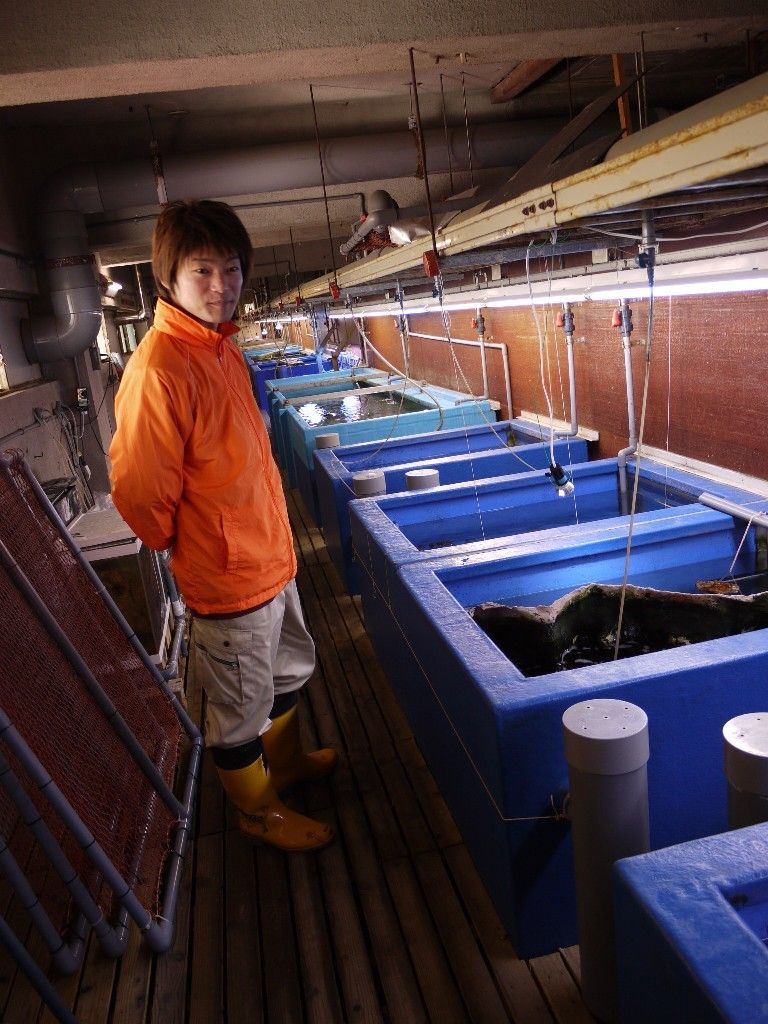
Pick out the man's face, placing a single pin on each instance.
(208, 286)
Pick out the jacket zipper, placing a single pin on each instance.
(244, 406)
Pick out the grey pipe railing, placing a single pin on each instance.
(112, 940)
(35, 975)
(732, 508)
(105, 705)
(496, 345)
(157, 935)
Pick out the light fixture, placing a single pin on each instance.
(727, 284)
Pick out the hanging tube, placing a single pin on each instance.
(565, 320)
(623, 320)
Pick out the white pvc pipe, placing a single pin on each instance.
(422, 479)
(606, 747)
(746, 768)
(572, 386)
(499, 346)
(369, 483)
(731, 508)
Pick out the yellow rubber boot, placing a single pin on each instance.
(263, 815)
(288, 764)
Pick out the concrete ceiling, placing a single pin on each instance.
(84, 82)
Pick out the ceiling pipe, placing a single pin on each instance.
(70, 274)
(144, 308)
(73, 324)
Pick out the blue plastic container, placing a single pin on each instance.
(691, 931)
(478, 514)
(413, 411)
(467, 454)
(492, 737)
(278, 392)
(297, 365)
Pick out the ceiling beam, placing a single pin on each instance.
(520, 78)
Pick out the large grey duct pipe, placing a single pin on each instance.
(96, 188)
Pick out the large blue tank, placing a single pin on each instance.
(468, 454)
(297, 364)
(492, 736)
(280, 391)
(374, 414)
(692, 931)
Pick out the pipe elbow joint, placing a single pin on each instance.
(49, 338)
(624, 455)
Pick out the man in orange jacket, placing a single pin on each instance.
(192, 471)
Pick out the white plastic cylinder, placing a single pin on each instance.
(330, 440)
(606, 747)
(746, 768)
(422, 479)
(368, 483)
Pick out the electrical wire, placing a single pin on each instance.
(638, 450)
(676, 238)
(542, 346)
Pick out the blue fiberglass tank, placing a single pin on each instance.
(492, 736)
(692, 931)
(375, 414)
(296, 364)
(280, 391)
(467, 454)
(399, 529)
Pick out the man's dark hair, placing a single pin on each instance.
(187, 226)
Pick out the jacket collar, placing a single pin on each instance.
(174, 321)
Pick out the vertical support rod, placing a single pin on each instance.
(466, 131)
(322, 179)
(295, 268)
(606, 747)
(445, 129)
(746, 768)
(423, 154)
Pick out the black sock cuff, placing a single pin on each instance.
(283, 703)
(241, 756)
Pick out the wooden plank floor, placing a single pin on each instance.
(390, 924)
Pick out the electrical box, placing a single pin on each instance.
(131, 574)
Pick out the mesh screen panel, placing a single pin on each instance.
(51, 708)
(33, 861)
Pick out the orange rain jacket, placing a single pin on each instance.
(192, 468)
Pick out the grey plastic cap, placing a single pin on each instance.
(746, 752)
(422, 479)
(606, 737)
(368, 483)
(331, 440)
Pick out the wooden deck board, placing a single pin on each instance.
(388, 925)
